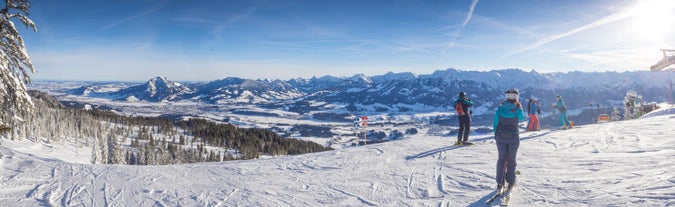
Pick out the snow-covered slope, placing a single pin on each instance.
(627, 163)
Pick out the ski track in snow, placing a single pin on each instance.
(627, 163)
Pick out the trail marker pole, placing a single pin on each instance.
(364, 124)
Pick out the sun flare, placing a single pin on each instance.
(654, 19)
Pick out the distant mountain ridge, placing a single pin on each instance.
(404, 92)
(237, 90)
(155, 90)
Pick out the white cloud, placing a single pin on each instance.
(623, 14)
(138, 15)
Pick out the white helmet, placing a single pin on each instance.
(512, 94)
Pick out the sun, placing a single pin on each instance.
(653, 19)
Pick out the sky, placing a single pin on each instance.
(136, 40)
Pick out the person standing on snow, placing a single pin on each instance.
(560, 105)
(462, 105)
(533, 110)
(505, 127)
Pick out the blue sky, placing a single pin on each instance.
(135, 40)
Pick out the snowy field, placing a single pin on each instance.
(627, 163)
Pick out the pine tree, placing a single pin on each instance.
(638, 106)
(615, 116)
(629, 105)
(15, 62)
(115, 151)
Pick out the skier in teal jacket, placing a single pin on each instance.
(505, 127)
(560, 105)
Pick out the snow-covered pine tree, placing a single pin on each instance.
(629, 105)
(616, 115)
(15, 63)
(115, 152)
(638, 107)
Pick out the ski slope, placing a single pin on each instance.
(626, 163)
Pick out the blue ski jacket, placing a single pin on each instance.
(533, 108)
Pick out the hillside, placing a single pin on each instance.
(626, 163)
(138, 140)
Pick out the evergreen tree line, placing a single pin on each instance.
(119, 139)
(250, 142)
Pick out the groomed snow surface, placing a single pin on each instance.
(626, 163)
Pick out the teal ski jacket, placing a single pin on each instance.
(507, 112)
(560, 105)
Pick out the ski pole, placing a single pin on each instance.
(506, 162)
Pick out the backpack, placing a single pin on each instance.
(458, 107)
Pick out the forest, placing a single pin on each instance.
(121, 139)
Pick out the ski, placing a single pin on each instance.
(462, 144)
(565, 128)
(506, 197)
(497, 193)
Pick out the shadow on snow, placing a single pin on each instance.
(480, 141)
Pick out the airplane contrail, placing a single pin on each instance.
(605, 20)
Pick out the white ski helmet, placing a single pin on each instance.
(512, 94)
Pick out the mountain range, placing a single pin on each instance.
(404, 92)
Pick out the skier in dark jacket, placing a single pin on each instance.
(505, 126)
(462, 105)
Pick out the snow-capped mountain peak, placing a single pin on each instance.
(360, 78)
(154, 90)
(390, 76)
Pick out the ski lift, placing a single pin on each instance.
(667, 60)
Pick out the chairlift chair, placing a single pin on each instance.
(667, 60)
(603, 118)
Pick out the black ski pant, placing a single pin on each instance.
(507, 148)
(464, 128)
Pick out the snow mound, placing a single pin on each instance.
(666, 109)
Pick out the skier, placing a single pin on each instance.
(533, 110)
(560, 105)
(505, 127)
(462, 105)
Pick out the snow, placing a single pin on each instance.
(71, 153)
(626, 163)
